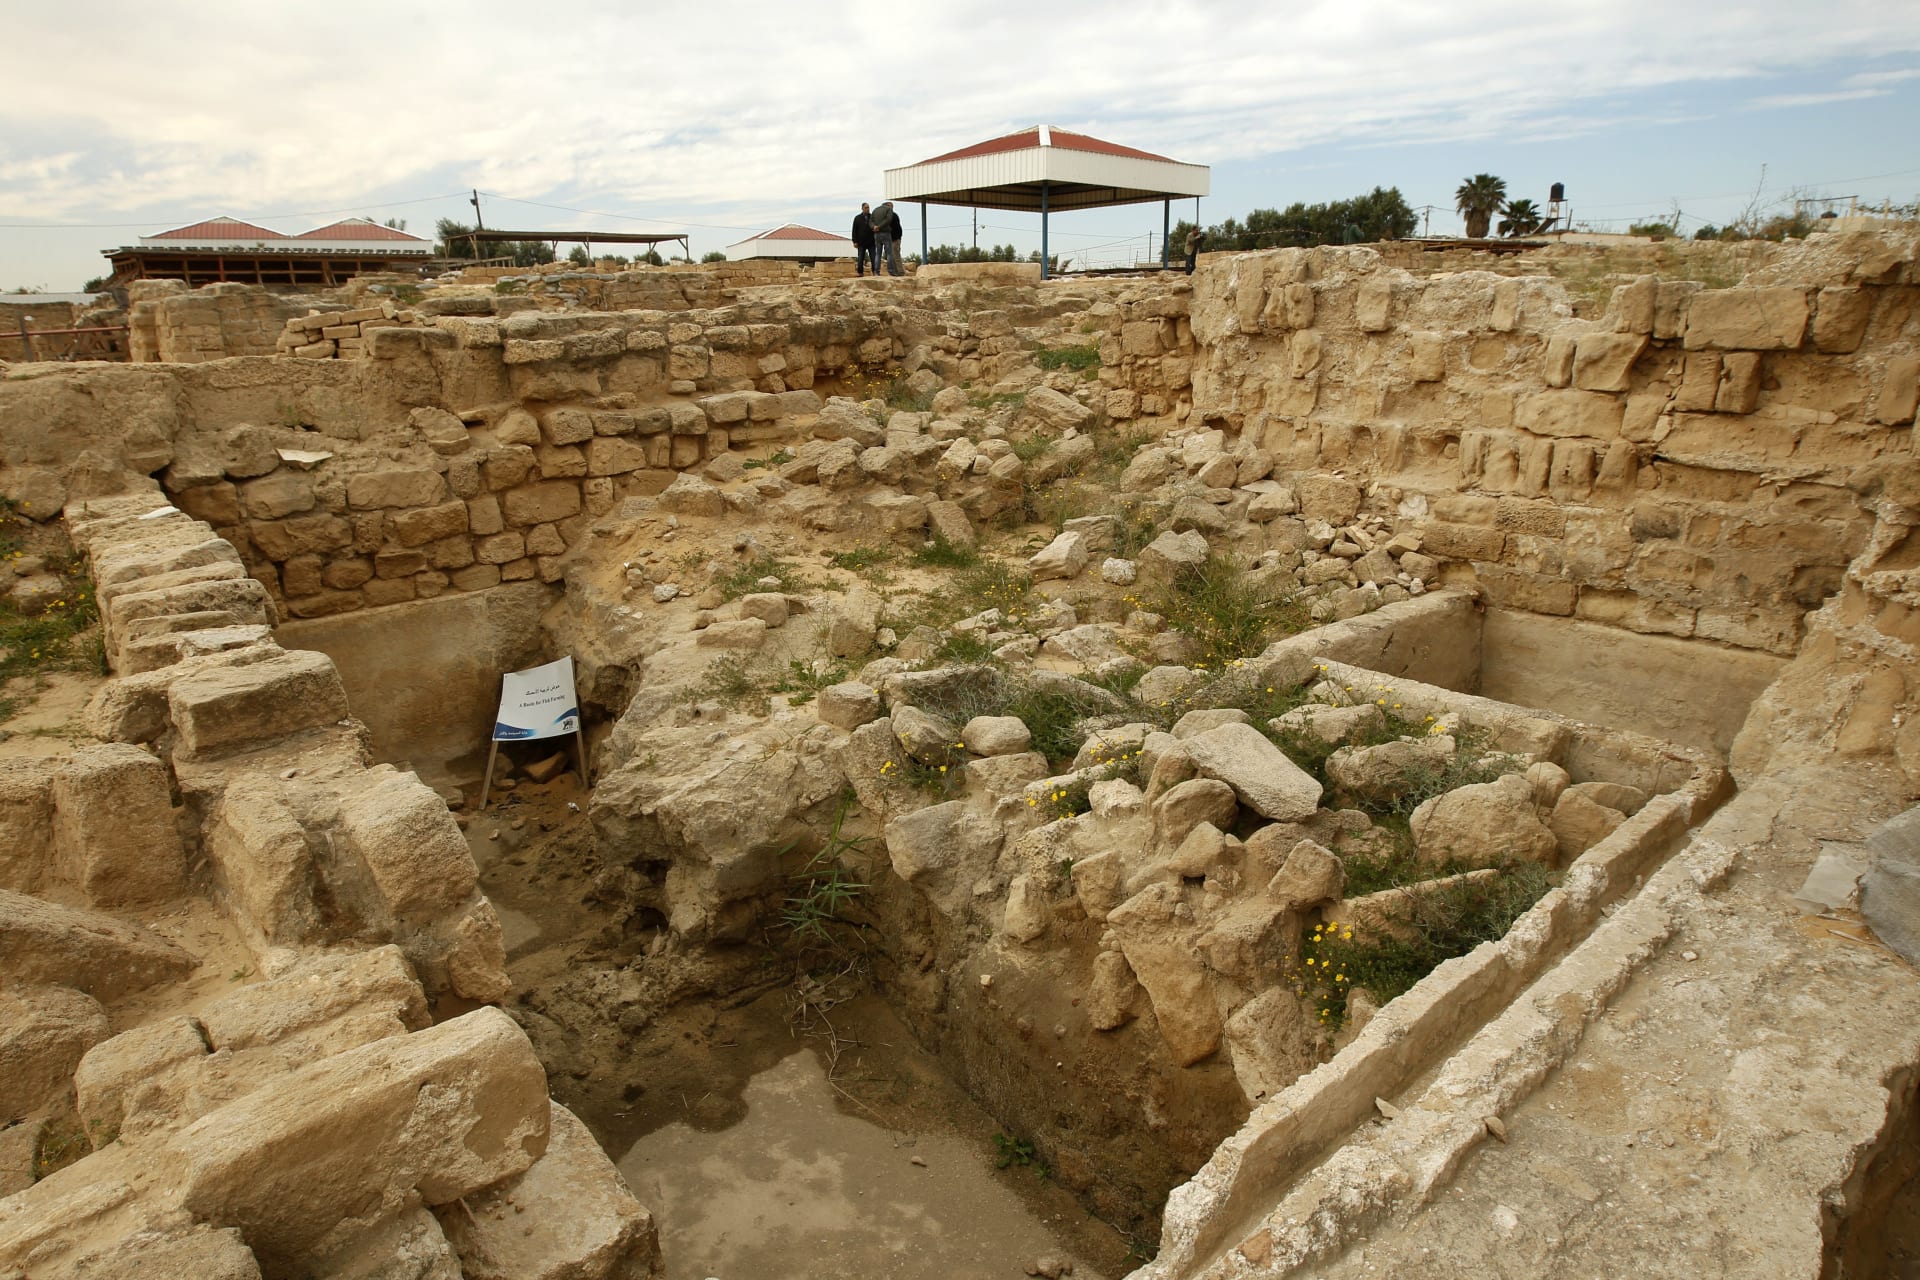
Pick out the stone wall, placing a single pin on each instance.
(1686, 465)
(209, 323)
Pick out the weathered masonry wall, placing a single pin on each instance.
(1689, 465)
(170, 323)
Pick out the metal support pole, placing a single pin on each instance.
(923, 233)
(26, 339)
(1043, 231)
(1166, 230)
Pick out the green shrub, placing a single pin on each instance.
(1214, 605)
(1449, 921)
(938, 553)
(1081, 359)
(744, 578)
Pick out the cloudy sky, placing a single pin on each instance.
(727, 117)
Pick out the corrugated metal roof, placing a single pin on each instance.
(794, 231)
(358, 229)
(1062, 138)
(221, 228)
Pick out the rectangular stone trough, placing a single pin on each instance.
(1445, 638)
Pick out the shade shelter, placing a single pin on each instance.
(1043, 170)
(794, 243)
(226, 248)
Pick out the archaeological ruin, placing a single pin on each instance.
(1357, 761)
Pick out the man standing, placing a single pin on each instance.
(863, 241)
(885, 228)
(1194, 238)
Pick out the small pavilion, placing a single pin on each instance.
(1044, 170)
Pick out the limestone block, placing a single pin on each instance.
(503, 468)
(44, 1032)
(568, 1217)
(483, 518)
(1303, 352)
(1633, 306)
(1591, 414)
(41, 942)
(1148, 470)
(444, 433)
(614, 456)
(1483, 825)
(277, 496)
(1171, 553)
(430, 524)
(1163, 958)
(1739, 390)
(1258, 772)
(1065, 557)
(1840, 318)
(1900, 393)
(540, 503)
(219, 709)
(284, 539)
(113, 827)
(1110, 994)
(398, 488)
(577, 426)
(949, 521)
(303, 1168)
(896, 513)
(769, 606)
(1372, 306)
(26, 823)
(1272, 1043)
(1578, 823)
(852, 623)
(261, 859)
(1334, 499)
(217, 503)
(941, 838)
(689, 495)
(1182, 807)
(1604, 361)
(1670, 307)
(476, 956)
(1699, 383)
(1768, 319)
(400, 830)
(1332, 724)
(996, 735)
(1140, 338)
(740, 633)
(848, 705)
(166, 1252)
(1027, 913)
(559, 461)
(1378, 774)
(1310, 877)
(1426, 357)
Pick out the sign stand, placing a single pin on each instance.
(536, 703)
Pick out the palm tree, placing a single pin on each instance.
(1478, 199)
(1520, 218)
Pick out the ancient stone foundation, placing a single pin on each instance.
(1137, 652)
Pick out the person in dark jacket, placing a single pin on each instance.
(1195, 238)
(863, 242)
(886, 240)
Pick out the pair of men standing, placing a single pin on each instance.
(876, 235)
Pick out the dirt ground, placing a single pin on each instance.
(769, 1117)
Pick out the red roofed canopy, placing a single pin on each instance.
(221, 228)
(357, 229)
(1044, 170)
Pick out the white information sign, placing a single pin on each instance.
(537, 703)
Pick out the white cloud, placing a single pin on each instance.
(736, 108)
(1816, 99)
